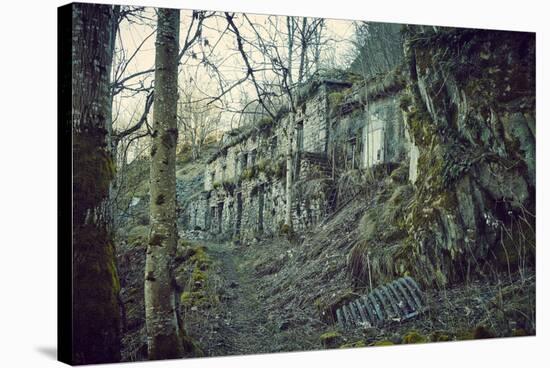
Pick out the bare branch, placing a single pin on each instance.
(148, 103)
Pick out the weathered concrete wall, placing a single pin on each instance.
(196, 212)
(384, 137)
(367, 127)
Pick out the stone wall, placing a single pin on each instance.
(247, 211)
(313, 119)
(313, 201)
(245, 181)
(195, 215)
(245, 150)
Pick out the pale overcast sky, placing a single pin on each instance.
(128, 108)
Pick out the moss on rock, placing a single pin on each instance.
(438, 336)
(456, 107)
(414, 337)
(356, 344)
(383, 343)
(331, 339)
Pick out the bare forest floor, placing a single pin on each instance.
(238, 323)
(272, 294)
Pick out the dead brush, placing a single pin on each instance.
(381, 236)
(517, 244)
(372, 265)
(501, 308)
(349, 185)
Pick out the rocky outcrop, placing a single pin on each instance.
(470, 112)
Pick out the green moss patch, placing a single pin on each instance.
(197, 293)
(383, 343)
(356, 344)
(414, 337)
(95, 303)
(331, 339)
(138, 235)
(438, 336)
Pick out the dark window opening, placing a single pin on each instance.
(212, 216)
(220, 216)
(252, 157)
(300, 136)
(359, 140)
(239, 213)
(245, 161)
(224, 166)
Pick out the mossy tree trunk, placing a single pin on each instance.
(163, 334)
(96, 313)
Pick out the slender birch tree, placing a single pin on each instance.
(163, 333)
(96, 313)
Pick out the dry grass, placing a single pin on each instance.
(374, 258)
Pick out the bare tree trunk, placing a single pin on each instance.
(289, 166)
(291, 29)
(163, 333)
(303, 51)
(96, 313)
(317, 40)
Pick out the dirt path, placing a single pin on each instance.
(244, 327)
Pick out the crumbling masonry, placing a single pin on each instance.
(335, 132)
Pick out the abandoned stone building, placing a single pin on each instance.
(335, 132)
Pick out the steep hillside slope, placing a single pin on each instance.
(281, 294)
(457, 214)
